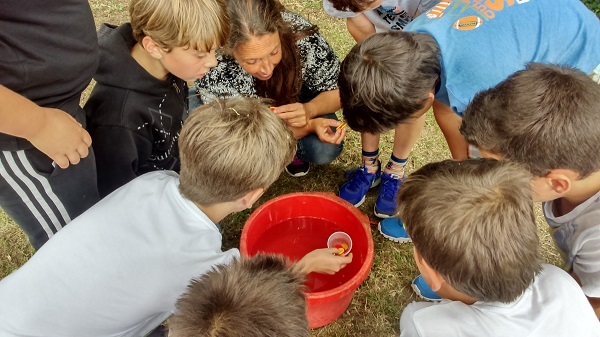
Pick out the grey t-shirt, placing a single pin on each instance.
(577, 236)
(390, 15)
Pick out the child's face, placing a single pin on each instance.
(260, 55)
(187, 63)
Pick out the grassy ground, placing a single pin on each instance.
(377, 304)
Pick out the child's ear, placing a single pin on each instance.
(250, 198)
(433, 278)
(560, 180)
(151, 47)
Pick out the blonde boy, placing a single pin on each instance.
(547, 118)
(139, 103)
(476, 245)
(124, 263)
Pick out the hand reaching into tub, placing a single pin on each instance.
(323, 261)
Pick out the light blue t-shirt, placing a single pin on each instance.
(483, 42)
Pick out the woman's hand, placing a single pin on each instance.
(323, 261)
(323, 128)
(293, 114)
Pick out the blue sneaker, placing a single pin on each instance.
(385, 205)
(360, 181)
(393, 229)
(422, 290)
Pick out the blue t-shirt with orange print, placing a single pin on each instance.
(482, 42)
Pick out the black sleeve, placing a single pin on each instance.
(119, 153)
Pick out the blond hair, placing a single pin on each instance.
(258, 296)
(197, 24)
(231, 147)
(472, 221)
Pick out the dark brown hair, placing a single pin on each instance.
(250, 18)
(472, 221)
(543, 117)
(258, 296)
(386, 78)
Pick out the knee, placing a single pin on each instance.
(321, 153)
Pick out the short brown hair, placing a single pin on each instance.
(543, 117)
(231, 147)
(198, 24)
(386, 78)
(472, 221)
(355, 6)
(258, 296)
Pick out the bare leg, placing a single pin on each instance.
(449, 123)
(370, 141)
(406, 135)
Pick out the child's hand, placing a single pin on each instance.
(323, 261)
(323, 128)
(60, 137)
(292, 114)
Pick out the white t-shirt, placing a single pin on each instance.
(553, 305)
(577, 236)
(116, 270)
(390, 15)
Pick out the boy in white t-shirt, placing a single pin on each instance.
(476, 245)
(547, 118)
(118, 269)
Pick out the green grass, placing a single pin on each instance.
(377, 304)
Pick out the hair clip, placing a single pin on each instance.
(234, 110)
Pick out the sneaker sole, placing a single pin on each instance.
(391, 238)
(381, 215)
(299, 174)
(418, 293)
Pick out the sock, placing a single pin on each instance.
(370, 160)
(395, 166)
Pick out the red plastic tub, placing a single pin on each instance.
(295, 224)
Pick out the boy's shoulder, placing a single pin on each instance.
(553, 287)
(585, 215)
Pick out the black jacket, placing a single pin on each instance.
(134, 118)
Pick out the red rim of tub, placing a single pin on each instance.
(364, 270)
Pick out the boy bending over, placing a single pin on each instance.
(547, 118)
(442, 59)
(126, 260)
(476, 245)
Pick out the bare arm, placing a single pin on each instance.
(594, 301)
(449, 123)
(299, 114)
(52, 131)
(360, 27)
(323, 261)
